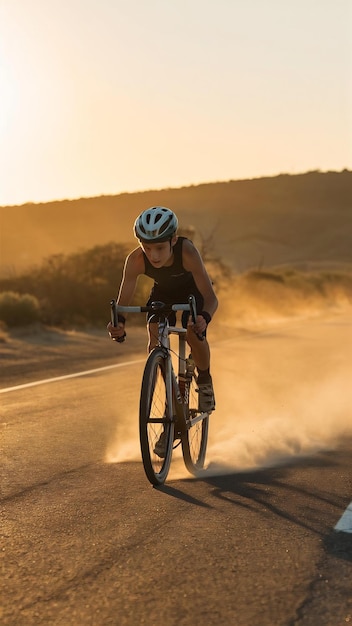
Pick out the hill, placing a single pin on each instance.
(300, 220)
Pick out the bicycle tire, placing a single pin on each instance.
(155, 416)
(194, 438)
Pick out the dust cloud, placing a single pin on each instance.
(282, 376)
(282, 382)
(125, 443)
(270, 416)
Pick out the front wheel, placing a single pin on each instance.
(156, 426)
(195, 437)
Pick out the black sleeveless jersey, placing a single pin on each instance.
(172, 284)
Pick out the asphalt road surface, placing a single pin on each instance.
(87, 541)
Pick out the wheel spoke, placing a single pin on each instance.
(156, 437)
(194, 441)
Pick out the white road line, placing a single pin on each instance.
(345, 522)
(56, 378)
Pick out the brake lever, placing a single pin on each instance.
(114, 321)
(193, 311)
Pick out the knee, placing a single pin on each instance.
(193, 339)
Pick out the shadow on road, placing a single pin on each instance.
(339, 545)
(181, 495)
(295, 491)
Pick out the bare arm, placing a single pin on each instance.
(134, 266)
(192, 262)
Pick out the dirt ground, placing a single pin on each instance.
(28, 352)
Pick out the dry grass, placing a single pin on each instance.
(287, 240)
(300, 219)
(260, 298)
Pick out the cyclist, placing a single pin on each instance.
(176, 267)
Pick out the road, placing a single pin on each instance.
(87, 541)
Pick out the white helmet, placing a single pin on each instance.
(155, 225)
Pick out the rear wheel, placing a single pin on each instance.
(156, 428)
(195, 437)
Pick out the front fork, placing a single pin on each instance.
(177, 393)
(183, 386)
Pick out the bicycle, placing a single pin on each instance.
(168, 402)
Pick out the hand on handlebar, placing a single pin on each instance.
(199, 327)
(117, 333)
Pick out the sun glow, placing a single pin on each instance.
(8, 97)
(93, 102)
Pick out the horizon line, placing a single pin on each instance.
(186, 186)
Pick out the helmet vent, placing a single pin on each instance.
(155, 225)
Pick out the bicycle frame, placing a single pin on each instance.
(180, 386)
(164, 342)
(164, 332)
(180, 413)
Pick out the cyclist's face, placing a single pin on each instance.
(159, 254)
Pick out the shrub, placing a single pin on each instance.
(74, 289)
(18, 309)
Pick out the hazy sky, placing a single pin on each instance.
(104, 96)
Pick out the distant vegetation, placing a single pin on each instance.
(69, 290)
(19, 309)
(75, 290)
(285, 219)
(282, 242)
(287, 292)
